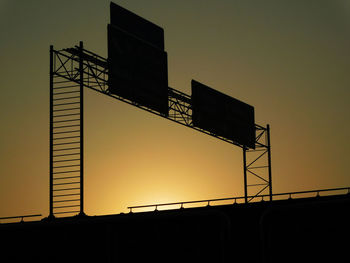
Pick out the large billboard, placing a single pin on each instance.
(137, 26)
(138, 66)
(137, 70)
(222, 115)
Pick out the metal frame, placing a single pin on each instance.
(257, 166)
(76, 67)
(67, 78)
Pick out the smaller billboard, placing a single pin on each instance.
(222, 115)
(138, 71)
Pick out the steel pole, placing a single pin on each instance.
(81, 71)
(269, 159)
(245, 175)
(51, 215)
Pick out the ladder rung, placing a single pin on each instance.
(67, 183)
(67, 177)
(66, 92)
(66, 172)
(64, 206)
(67, 149)
(68, 160)
(66, 115)
(76, 108)
(64, 143)
(65, 195)
(68, 212)
(66, 189)
(68, 126)
(66, 120)
(65, 166)
(68, 103)
(65, 132)
(69, 137)
(68, 98)
(62, 201)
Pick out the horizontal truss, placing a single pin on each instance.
(95, 70)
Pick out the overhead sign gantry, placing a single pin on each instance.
(136, 73)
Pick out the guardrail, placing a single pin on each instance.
(240, 199)
(19, 217)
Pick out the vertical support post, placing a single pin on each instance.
(81, 71)
(245, 174)
(269, 159)
(51, 133)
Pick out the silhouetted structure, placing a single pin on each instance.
(295, 230)
(136, 73)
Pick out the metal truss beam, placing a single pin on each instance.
(257, 166)
(96, 78)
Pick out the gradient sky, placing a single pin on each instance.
(289, 59)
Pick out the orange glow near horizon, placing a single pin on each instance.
(288, 60)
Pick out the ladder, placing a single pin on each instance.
(66, 138)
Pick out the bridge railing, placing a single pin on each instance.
(10, 219)
(240, 199)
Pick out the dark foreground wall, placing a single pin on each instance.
(305, 230)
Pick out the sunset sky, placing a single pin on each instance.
(288, 59)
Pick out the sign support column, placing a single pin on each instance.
(81, 72)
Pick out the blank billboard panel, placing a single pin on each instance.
(137, 26)
(222, 115)
(138, 71)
